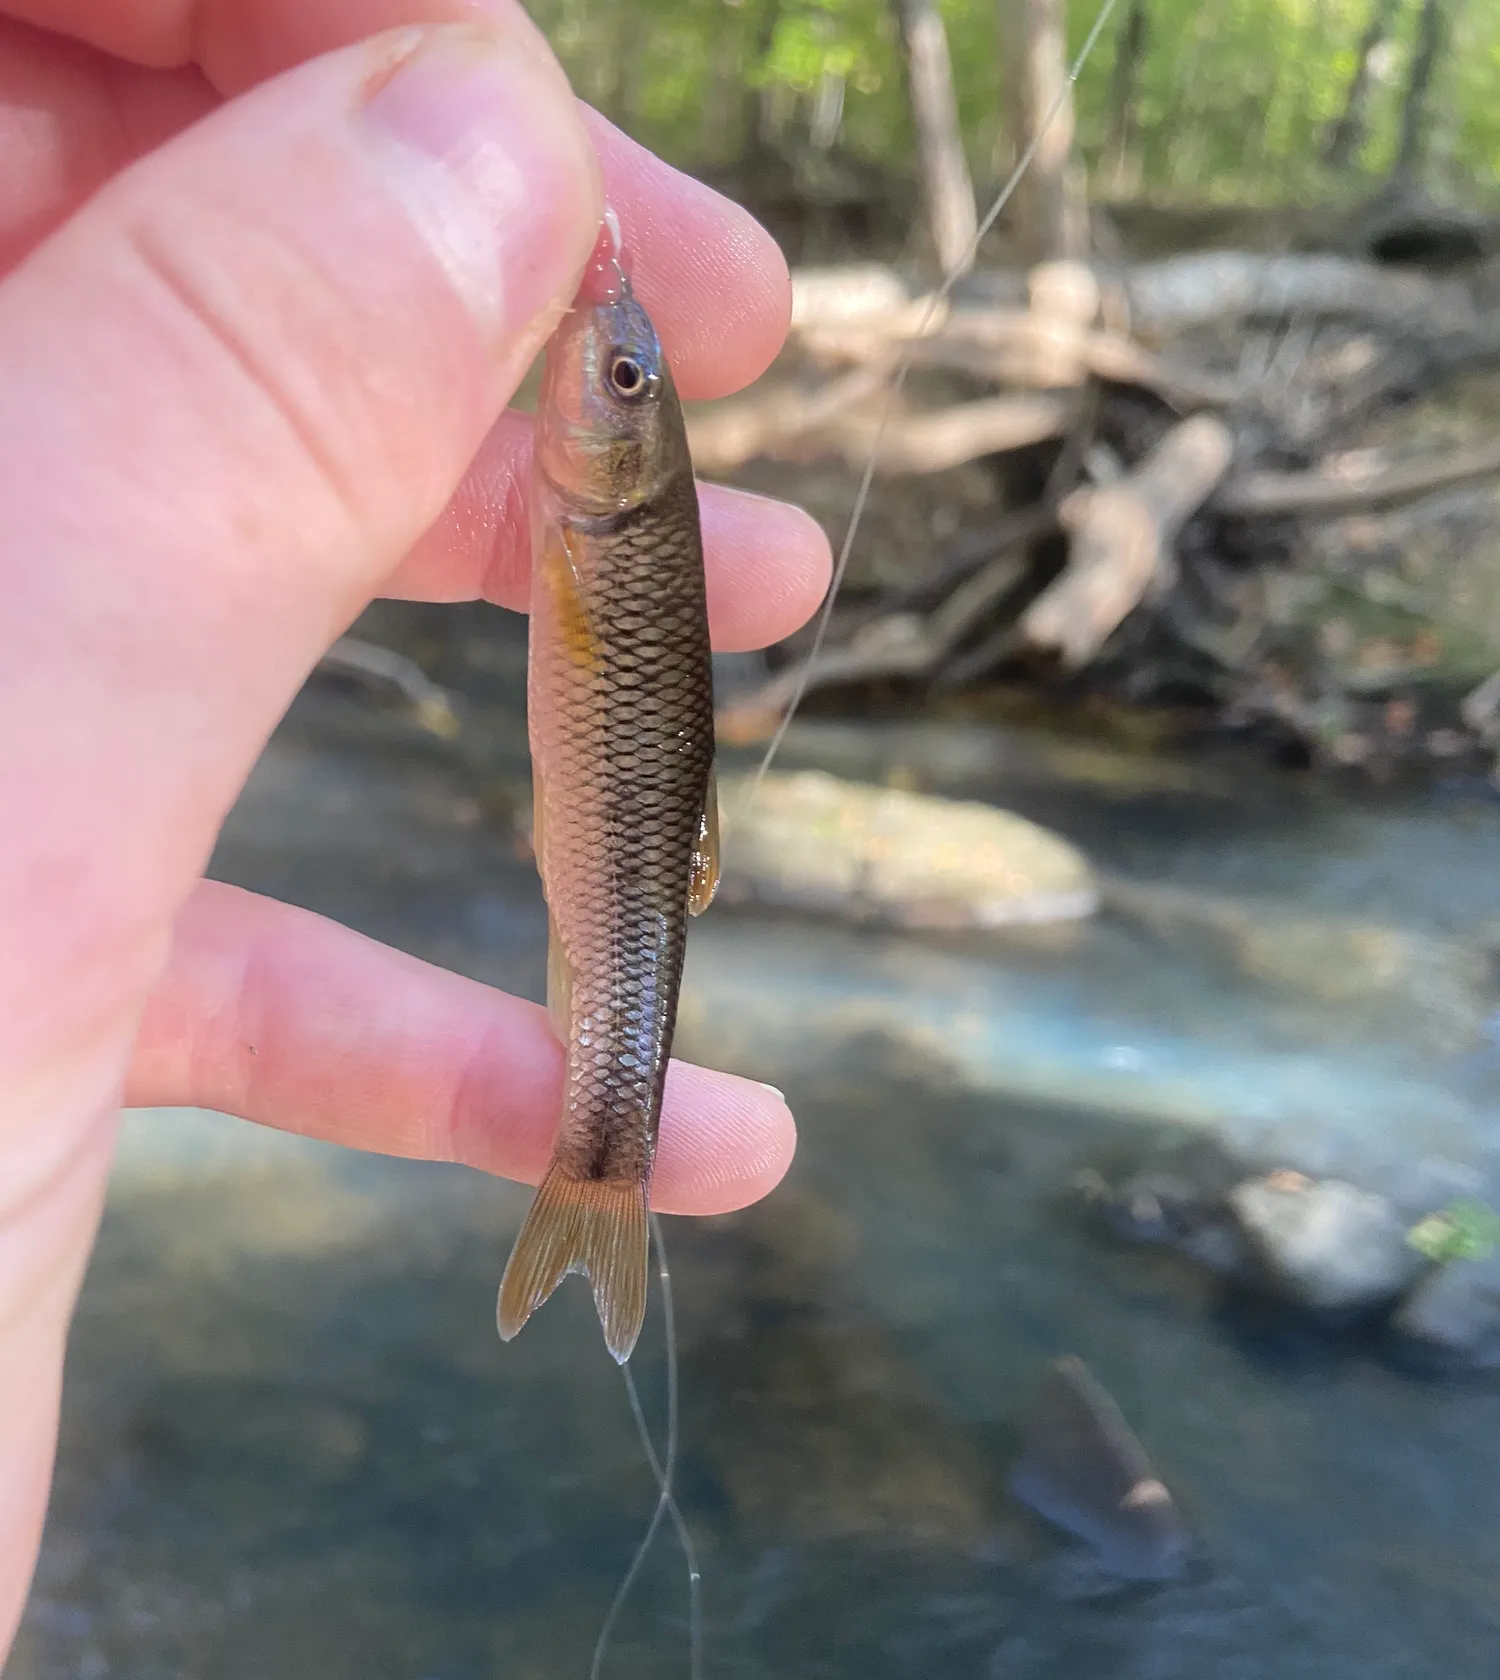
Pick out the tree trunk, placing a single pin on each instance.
(1050, 210)
(761, 124)
(827, 111)
(1415, 112)
(947, 188)
(1123, 78)
(603, 81)
(1346, 137)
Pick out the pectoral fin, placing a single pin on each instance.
(539, 821)
(705, 878)
(559, 984)
(574, 622)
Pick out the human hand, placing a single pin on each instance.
(259, 311)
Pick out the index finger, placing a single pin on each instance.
(276, 1015)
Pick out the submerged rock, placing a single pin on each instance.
(1439, 989)
(822, 1427)
(1451, 1320)
(1170, 1210)
(1326, 1244)
(811, 841)
(1082, 1468)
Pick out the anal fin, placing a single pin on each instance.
(596, 1226)
(705, 877)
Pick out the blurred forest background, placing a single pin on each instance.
(1208, 434)
(1184, 100)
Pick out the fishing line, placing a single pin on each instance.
(903, 367)
(662, 1469)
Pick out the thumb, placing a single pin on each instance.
(239, 385)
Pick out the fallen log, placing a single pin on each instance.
(841, 420)
(861, 291)
(1175, 295)
(773, 422)
(1046, 355)
(898, 645)
(934, 442)
(1021, 348)
(1322, 341)
(1122, 536)
(1206, 287)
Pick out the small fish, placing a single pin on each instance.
(1082, 1468)
(625, 827)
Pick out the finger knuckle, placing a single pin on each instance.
(262, 328)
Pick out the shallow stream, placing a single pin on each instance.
(293, 1446)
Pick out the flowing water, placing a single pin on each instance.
(293, 1445)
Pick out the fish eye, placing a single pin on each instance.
(627, 378)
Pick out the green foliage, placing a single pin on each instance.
(1233, 97)
(838, 38)
(1464, 1231)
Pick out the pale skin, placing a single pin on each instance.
(267, 278)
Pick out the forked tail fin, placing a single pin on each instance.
(596, 1226)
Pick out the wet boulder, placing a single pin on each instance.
(1083, 1469)
(1168, 1209)
(1441, 988)
(1451, 1319)
(810, 841)
(1326, 1244)
(830, 1431)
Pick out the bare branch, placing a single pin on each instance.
(382, 667)
(899, 644)
(926, 443)
(773, 422)
(1327, 494)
